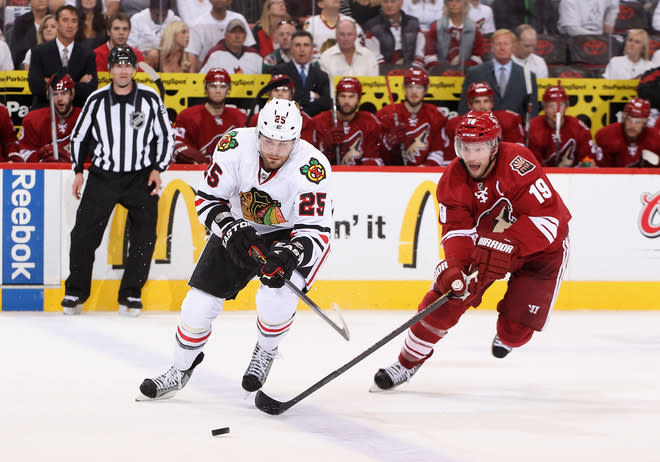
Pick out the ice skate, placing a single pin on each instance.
(130, 306)
(257, 372)
(71, 305)
(392, 376)
(167, 384)
(499, 349)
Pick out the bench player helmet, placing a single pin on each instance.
(638, 107)
(280, 119)
(479, 127)
(349, 85)
(217, 75)
(281, 80)
(122, 55)
(555, 93)
(61, 81)
(480, 89)
(416, 76)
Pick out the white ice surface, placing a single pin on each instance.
(587, 389)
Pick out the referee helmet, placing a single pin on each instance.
(122, 55)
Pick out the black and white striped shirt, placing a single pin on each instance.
(123, 133)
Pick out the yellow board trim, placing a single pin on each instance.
(377, 295)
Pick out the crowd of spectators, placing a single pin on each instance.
(493, 43)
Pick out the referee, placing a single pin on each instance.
(125, 129)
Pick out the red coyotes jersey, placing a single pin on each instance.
(307, 132)
(423, 143)
(196, 128)
(8, 141)
(361, 139)
(36, 133)
(516, 199)
(575, 142)
(620, 152)
(512, 131)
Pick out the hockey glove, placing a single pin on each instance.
(396, 136)
(333, 136)
(191, 156)
(239, 238)
(492, 257)
(280, 262)
(450, 277)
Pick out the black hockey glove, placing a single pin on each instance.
(240, 238)
(280, 262)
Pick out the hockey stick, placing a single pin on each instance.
(343, 329)
(260, 95)
(53, 124)
(271, 406)
(528, 88)
(333, 97)
(153, 75)
(396, 118)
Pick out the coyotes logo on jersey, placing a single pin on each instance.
(259, 207)
(419, 143)
(353, 152)
(498, 218)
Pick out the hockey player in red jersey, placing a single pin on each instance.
(8, 141)
(198, 128)
(36, 141)
(566, 146)
(480, 98)
(281, 86)
(499, 214)
(630, 143)
(412, 130)
(355, 137)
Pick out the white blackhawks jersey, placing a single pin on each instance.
(297, 196)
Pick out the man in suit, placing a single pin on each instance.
(62, 52)
(312, 84)
(506, 77)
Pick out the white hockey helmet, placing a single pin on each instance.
(280, 119)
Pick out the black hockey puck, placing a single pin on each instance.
(219, 431)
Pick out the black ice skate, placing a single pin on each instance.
(130, 306)
(499, 349)
(167, 384)
(257, 372)
(71, 305)
(393, 376)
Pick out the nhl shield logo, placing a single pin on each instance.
(137, 120)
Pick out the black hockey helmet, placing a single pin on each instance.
(122, 55)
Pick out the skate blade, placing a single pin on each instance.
(376, 389)
(141, 397)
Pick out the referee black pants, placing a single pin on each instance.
(103, 191)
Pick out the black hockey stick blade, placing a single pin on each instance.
(271, 406)
(153, 75)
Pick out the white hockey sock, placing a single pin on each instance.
(270, 335)
(189, 343)
(415, 349)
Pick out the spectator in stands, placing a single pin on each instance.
(208, 30)
(190, 10)
(36, 143)
(582, 17)
(655, 21)
(412, 129)
(557, 139)
(274, 12)
(281, 86)
(282, 34)
(323, 26)
(506, 77)
(509, 14)
(299, 10)
(92, 30)
(148, 25)
(108, 7)
(454, 39)
(8, 141)
(656, 58)
(171, 54)
(199, 128)
(630, 143)
(6, 62)
(232, 54)
(23, 34)
(349, 136)
(47, 32)
(63, 52)
(395, 37)
(312, 85)
(426, 11)
(523, 51)
(635, 59)
(346, 58)
(482, 15)
(119, 28)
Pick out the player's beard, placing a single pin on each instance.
(66, 112)
(344, 112)
(414, 106)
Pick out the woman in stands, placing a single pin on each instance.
(92, 29)
(47, 32)
(274, 11)
(635, 59)
(171, 55)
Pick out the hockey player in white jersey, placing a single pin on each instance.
(266, 195)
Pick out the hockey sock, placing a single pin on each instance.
(512, 333)
(271, 334)
(189, 343)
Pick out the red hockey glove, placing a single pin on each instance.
(492, 257)
(47, 154)
(191, 156)
(333, 136)
(396, 136)
(238, 238)
(282, 259)
(450, 277)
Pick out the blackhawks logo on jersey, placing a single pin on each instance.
(259, 207)
(314, 171)
(228, 141)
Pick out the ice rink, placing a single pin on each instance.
(586, 389)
